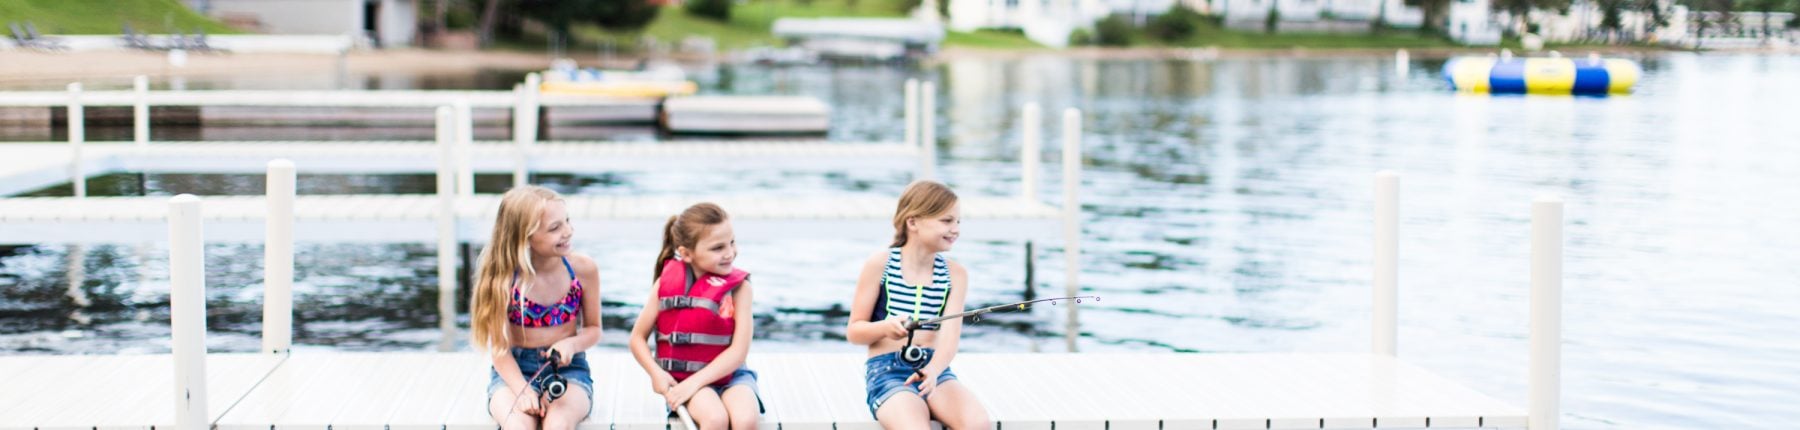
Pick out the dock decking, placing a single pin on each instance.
(802, 391)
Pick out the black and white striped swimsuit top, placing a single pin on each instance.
(917, 302)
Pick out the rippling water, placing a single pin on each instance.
(1226, 205)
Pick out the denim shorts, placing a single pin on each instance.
(531, 359)
(741, 376)
(886, 376)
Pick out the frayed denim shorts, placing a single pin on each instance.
(532, 359)
(886, 376)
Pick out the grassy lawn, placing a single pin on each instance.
(1209, 34)
(751, 24)
(107, 16)
(986, 39)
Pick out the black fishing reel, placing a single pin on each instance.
(913, 355)
(551, 385)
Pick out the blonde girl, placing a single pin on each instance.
(912, 280)
(535, 299)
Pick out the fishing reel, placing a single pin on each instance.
(551, 385)
(913, 355)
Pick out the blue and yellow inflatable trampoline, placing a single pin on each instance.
(1592, 76)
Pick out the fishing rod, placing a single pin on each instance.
(550, 386)
(915, 355)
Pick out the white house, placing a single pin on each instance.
(1048, 22)
(1337, 16)
(1473, 22)
(383, 22)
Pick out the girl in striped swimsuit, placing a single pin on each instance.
(535, 296)
(912, 280)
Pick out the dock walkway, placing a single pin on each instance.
(802, 391)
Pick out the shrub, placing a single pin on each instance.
(1114, 30)
(718, 10)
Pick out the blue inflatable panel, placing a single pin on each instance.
(1508, 76)
(1591, 78)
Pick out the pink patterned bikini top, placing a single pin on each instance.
(522, 312)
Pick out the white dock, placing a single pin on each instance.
(801, 391)
(768, 114)
(413, 218)
(308, 98)
(29, 166)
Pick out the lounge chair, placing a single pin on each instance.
(43, 43)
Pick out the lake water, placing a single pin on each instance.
(1227, 208)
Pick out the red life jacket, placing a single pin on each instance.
(694, 324)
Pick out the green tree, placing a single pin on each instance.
(1113, 30)
(1434, 11)
(1521, 9)
(1273, 20)
(1177, 24)
(1612, 13)
(612, 15)
(717, 10)
(1766, 7)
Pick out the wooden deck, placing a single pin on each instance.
(802, 391)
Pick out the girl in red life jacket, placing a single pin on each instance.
(912, 280)
(535, 295)
(699, 314)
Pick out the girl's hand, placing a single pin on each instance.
(927, 382)
(894, 327)
(565, 351)
(680, 394)
(661, 381)
(527, 403)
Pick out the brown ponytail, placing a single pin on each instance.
(686, 229)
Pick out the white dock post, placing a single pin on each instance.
(278, 259)
(77, 136)
(928, 130)
(1072, 215)
(1030, 152)
(1402, 62)
(1546, 313)
(140, 110)
(527, 119)
(521, 140)
(187, 313)
(912, 111)
(1386, 308)
(465, 145)
(446, 230)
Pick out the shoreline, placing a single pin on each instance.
(23, 66)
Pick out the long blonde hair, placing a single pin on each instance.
(685, 229)
(921, 199)
(506, 259)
